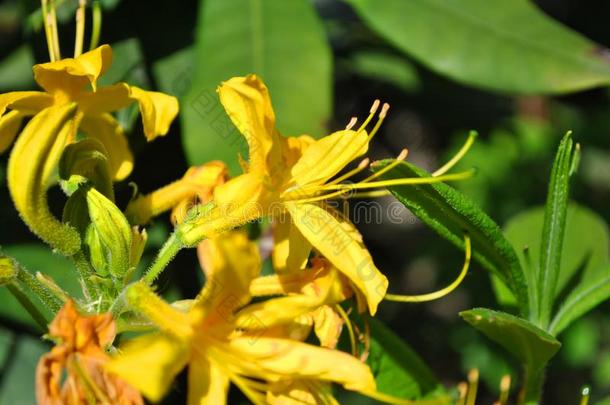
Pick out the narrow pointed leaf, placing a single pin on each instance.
(450, 214)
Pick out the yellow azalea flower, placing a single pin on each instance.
(71, 101)
(217, 351)
(296, 176)
(81, 341)
(196, 186)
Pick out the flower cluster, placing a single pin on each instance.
(274, 335)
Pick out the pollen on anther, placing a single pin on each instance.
(365, 162)
(374, 107)
(384, 110)
(403, 154)
(351, 123)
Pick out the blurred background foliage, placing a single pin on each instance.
(520, 73)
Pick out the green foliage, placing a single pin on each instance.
(477, 44)
(530, 344)
(235, 39)
(392, 360)
(450, 214)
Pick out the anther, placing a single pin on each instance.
(351, 123)
(403, 154)
(374, 107)
(384, 110)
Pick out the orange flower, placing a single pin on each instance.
(80, 352)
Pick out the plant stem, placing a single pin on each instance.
(169, 250)
(29, 306)
(28, 281)
(90, 291)
(532, 385)
(96, 25)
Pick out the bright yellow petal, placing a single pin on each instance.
(327, 325)
(9, 125)
(328, 156)
(27, 102)
(275, 311)
(150, 363)
(230, 262)
(158, 110)
(32, 162)
(290, 248)
(283, 358)
(105, 99)
(337, 240)
(71, 76)
(109, 132)
(206, 383)
(293, 147)
(247, 102)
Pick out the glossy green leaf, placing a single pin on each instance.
(530, 344)
(510, 46)
(37, 257)
(385, 67)
(281, 41)
(553, 229)
(450, 213)
(392, 360)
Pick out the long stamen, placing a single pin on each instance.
(586, 393)
(47, 29)
(399, 182)
(96, 24)
(80, 28)
(444, 291)
(53, 24)
(350, 329)
(351, 123)
(371, 194)
(462, 390)
(402, 156)
(372, 112)
(473, 384)
(458, 156)
(361, 166)
(382, 115)
(504, 389)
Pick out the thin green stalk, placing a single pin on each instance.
(169, 250)
(28, 281)
(28, 305)
(96, 25)
(90, 291)
(531, 392)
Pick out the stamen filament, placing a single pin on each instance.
(398, 182)
(350, 329)
(371, 194)
(47, 30)
(53, 24)
(473, 384)
(504, 389)
(96, 25)
(444, 291)
(458, 156)
(361, 166)
(372, 112)
(382, 115)
(402, 156)
(80, 28)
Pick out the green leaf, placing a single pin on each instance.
(37, 257)
(582, 299)
(511, 46)
(553, 230)
(386, 67)
(16, 70)
(450, 214)
(18, 376)
(173, 73)
(585, 246)
(281, 41)
(530, 344)
(392, 360)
